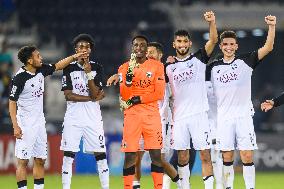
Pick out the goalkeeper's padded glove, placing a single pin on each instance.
(130, 71)
(134, 100)
(123, 105)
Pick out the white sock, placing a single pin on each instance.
(249, 175)
(217, 163)
(184, 174)
(38, 186)
(179, 186)
(39, 183)
(67, 172)
(166, 182)
(103, 173)
(136, 184)
(208, 182)
(228, 171)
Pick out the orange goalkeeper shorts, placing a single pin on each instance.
(135, 125)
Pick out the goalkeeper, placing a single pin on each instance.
(142, 84)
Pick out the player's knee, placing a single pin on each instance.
(22, 163)
(39, 162)
(129, 159)
(183, 157)
(69, 154)
(228, 156)
(247, 157)
(205, 156)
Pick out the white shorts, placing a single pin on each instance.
(195, 127)
(236, 133)
(92, 135)
(34, 139)
(166, 133)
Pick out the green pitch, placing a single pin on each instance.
(263, 181)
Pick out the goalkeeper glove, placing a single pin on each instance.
(134, 100)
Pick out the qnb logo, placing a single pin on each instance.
(81, 88)
(38, 93)
(184, 76)
(227, 78)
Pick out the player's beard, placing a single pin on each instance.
(182, 53)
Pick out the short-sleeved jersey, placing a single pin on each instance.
(75, 79)
(148, 83)
(232, 85)
(187, 82)
(27, 90)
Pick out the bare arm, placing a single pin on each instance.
(66, 61)
(213, 34)
(13, 112)
(113, 79)
(70, 96)
(268, 46)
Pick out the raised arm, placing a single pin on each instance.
(213, 35)
(66, 61)
(268, 46)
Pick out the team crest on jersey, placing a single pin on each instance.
(64, 81)
(234, 66)
(149, 74)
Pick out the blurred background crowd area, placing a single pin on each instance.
(51, 26)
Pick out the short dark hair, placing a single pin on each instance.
(157, 45)
(181, 33)
(25, 53)
(140, 36)
(84, 37)
(228, 34)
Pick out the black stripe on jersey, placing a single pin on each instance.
(18, 84)
(46, 69)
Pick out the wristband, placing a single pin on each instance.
(90, 76)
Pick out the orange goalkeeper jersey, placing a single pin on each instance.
(148, 82)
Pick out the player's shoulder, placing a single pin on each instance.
(123, 66)
(96, 65)
(73, 66)
(217, 62)
(22, 76)
(153, 62)
(244, 56)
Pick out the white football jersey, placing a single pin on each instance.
(75, 79)
(232, 85)
(187, 82)
(27, 90)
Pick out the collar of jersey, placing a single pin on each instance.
(23, 67)
(79, 65)
(184, 59)
(235, 58)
